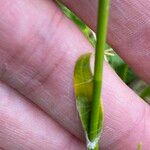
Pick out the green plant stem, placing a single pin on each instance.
(103, 12)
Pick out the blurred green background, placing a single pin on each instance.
(120, 67)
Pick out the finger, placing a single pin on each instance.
(40, 64)
(23, 126)
(125, 114)
(34, 58)
(128, 31)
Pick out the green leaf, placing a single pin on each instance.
(83, 82)
(83, 85)
(145, 94)
(122, 69)
(139, 146)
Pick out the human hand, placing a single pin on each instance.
(38, 50)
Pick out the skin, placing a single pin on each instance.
(38, 50)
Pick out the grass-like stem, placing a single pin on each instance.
(103, 11)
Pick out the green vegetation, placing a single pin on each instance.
(96, 115)
(139, 147)
(121, 68)
(88, 85)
